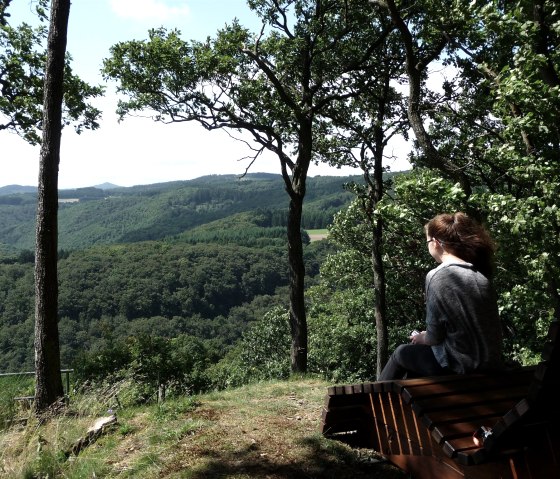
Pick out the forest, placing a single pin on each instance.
(192, 288)
(192, 274)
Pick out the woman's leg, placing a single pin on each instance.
(417, 359)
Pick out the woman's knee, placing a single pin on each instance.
(400, 352)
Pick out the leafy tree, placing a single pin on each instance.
(30, 78)
(155, 364)
(425, 34)
(524, 80)
(280, 86)
(369, 123)
(22, 68)
(342, 336)
(494, 129)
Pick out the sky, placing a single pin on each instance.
(139, 151)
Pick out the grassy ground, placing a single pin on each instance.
(267, 430)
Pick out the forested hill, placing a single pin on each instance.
(204, 258)
(95, 216)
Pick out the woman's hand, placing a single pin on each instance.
(418, 337)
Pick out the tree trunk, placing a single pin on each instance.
(296, 189)
(379, 282)
(379, 286)
(298, 319)
(48, 388)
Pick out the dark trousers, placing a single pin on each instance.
(412, 360)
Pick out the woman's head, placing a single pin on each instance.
(465, 238)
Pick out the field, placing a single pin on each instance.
(316, 235)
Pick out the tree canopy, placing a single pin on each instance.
(22, 68)
(285, 86)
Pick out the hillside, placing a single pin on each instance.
(266, 430)
(94, 216)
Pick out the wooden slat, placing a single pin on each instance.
(415, 441)
(460, 401)
(399, 441)
(472, 413)
(400, 385)
(464, 384)
(392, 418)
(357, 388)
(446, 431)
(380, 423)
(462, 444)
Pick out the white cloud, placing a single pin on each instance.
(158, 10)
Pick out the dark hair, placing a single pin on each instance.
(465, 238)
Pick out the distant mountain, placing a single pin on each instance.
(16, 189)
(106, 186)
(95, 216)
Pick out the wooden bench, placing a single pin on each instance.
(427, 426)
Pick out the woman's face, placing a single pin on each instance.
(434, 247)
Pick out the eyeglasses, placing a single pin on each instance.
(436, 240)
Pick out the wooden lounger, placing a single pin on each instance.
(482, 426)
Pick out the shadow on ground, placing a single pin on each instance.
(324, 459)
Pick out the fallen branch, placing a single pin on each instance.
(92, 434)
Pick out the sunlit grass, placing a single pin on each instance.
(323, 231)
(249, 432)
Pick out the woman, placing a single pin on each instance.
(463, 331)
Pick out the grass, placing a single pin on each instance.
(10, 387)
(266, 430)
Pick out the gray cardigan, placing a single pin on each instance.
(462, 321)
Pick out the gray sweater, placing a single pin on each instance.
(462, 321)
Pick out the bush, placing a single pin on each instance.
(151, 364)
(262, 353)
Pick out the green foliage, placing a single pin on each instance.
(107, 293)
(48, 463)
(209, 282)
(150, 364)
(418, 196)
(342, 338)
(262, 353)
(166, 288)
(22, 61)
(341, 342)
(498, 121)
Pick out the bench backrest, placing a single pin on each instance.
(541, 402)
